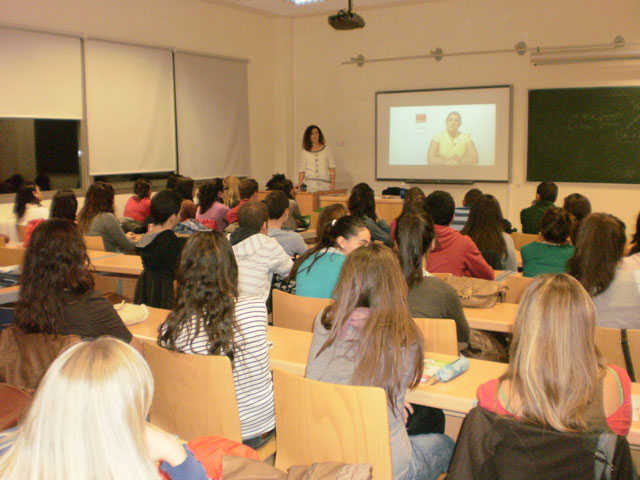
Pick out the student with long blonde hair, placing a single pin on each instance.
(87, 421)
(557, 378)
(367, 337)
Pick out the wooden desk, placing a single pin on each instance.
(290, 350)
(386, 208)
(9, 294)
(118, 263)
(499, 318)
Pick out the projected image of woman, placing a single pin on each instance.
(452, 147)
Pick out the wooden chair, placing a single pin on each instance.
(314, 220)
(318, 422)
(94, 242)
(439, 335)
(516, 285)
(2, 242)
(11, 256)
(522, 239)
(299, 313)
(608, 340)
(195, 395)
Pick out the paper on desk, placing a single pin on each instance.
(11, 269)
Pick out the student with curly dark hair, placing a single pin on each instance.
(27, 206)
(210, 318)
(362, 204)
(280, 182)
(97, 218)
(63, 300)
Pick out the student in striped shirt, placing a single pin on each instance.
(210, 318)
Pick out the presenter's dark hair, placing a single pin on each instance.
(557, 225)
(599, 247)
(306, 138)
(184, 186)
(64, 205)
(414, 235)
(578, 205)
(440, 206)
(142, 188)
(209, 193)
(164, 204)
(58, 249)
(362, 202)
(635, 240)
(548, 191)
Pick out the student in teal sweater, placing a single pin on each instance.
(550, 255)
(317, 271)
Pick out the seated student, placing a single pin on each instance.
(326, 217)
(579, 206)
(27, 206)
(102, 392)
(485, 227)
(454, 253)
(557, 378)
(160, 252)
(278, 207)
(615, 292)
(362, 204)
(546, 195)
(552, 253)
(63, 205)
(461, 214)
(138, 207)
(211, 204)
(429, 297)
(97, 219)
(367, 337)
(248, 190)
(57, 303)
(258, 256)
(413, 203)
(280, 182)
(632, 261)
(317, 271)
(231, 193)
(186, 188)
(212, 317)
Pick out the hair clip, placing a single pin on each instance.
(333, 222)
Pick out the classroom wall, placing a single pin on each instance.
(341, 98)
(192, 25)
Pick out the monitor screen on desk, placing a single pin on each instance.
(444, 135)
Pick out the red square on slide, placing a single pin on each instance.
(421, 118)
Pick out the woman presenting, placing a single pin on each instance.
(452, 147)
(317, 167)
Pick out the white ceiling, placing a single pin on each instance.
(285, 8)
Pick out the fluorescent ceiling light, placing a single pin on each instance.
(303, 2)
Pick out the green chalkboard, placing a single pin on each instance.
(584, 135)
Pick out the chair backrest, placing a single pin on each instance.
(11, 256)
(516, 285)
(439, 335)
(94, 242)
(608, 341)
(299, 313)
(15, 402)
(522, 239)
(318, 422)
(194, 394)
(2, 242)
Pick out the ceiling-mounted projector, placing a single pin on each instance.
(346, 20)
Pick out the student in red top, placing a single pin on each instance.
(138, 207)
(453, 253)
(248, 189)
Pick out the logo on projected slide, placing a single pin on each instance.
(421, 118)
